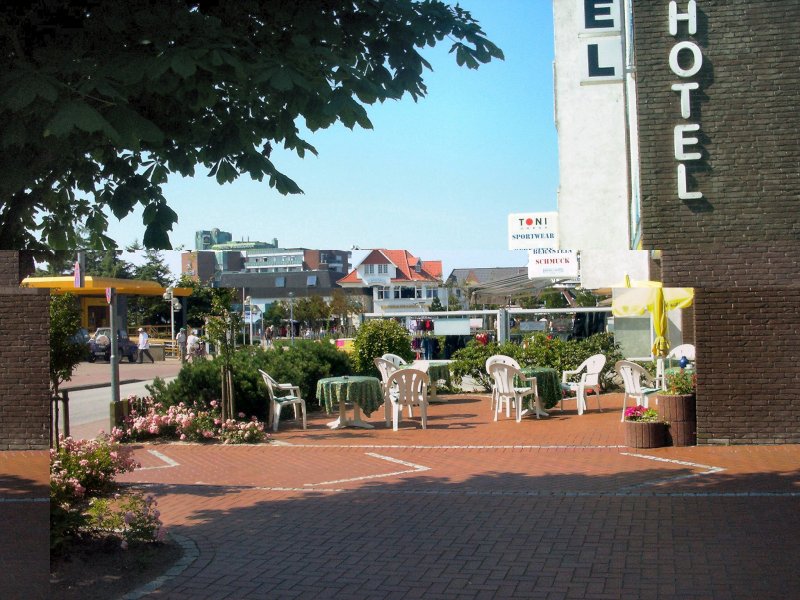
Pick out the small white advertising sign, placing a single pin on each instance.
(527, 231)
(552, 264)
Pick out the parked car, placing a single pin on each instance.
(100, 345)
(82, 338)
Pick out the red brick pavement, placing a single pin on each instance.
(470, 508)
(24, 522)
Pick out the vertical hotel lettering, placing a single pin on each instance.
(683, 135)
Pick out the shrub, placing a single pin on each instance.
(542, 351)
(376, 338)
(301, 364)
(546, 351)
(682, 382)
(470, 361)
(82, 482)
(134, 517)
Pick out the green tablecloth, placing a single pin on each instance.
(548, 383)
(439, 371)
(364, 391)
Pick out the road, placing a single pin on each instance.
(92, 405)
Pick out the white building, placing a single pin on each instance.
(399, 280)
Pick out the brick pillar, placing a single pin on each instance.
(25, 358)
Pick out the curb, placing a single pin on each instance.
(93, 386)
(190, 554)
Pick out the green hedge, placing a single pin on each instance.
(542, 351)
(302, 364)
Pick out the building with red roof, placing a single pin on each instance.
(399, 280)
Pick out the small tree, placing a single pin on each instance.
(223, 326)
(66, 351)
(376, 338)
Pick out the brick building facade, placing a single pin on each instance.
(738, 244)
(25, 358)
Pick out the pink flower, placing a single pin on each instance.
(183, 436)
(241, 415)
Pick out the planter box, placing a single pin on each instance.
(645, 435)
(682, 433)
(680, 407)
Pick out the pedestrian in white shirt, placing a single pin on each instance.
(144, 346)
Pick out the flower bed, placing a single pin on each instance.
(149, 419)
(85, 503)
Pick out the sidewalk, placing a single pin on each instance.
(97, 374)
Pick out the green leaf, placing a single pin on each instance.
(281, 81)
(183, 64)
(76, 114)
(133, 127)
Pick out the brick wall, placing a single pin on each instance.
(25, 359)
(739, 245)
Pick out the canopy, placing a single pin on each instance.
(640, 297)
(96, 286)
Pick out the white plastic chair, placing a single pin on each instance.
(632, 377)
(507, 394)
(397, 361)
(386, 368)
(290, 395)
(588, 382)
(407, 387)
(499, 359)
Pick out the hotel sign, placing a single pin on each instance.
(685, 61)
(601, 40)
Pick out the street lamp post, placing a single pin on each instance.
(169, 297)
(249, 302)
(291, 317)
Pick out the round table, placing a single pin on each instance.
(548, 384)
(364, 393)
(437, 370)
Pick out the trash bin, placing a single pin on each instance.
(157, 350)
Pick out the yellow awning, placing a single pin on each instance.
(96, 286)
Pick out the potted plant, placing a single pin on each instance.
(677, 406)
(677, 401)
(644, 428)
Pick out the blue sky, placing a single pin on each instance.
(437, 177)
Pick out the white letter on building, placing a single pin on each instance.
(683, 88)
(682, 193)
(681, 142)
(690, 16)
(697, 59)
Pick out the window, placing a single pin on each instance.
(311, 281)
(383, 269)
(408, 292)
(418, 293)
(431, 293)
(369, 269)
(280, 282)
(384, 293)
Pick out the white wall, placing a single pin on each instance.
(590, 119)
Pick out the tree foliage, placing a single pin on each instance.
(103, 101)
(376, 338)
(66, 350)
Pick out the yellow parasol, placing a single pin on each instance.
(649, 296)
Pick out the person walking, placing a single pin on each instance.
(144, 346)
(181, 340)
(194, 345)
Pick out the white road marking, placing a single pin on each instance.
(414, 469)
(709, 469)
(170, 463)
